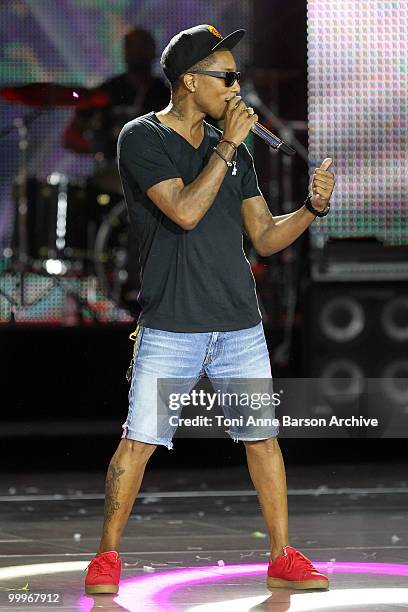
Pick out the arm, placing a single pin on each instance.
(74, 137)
(270, 234)
(186, 205)
(280, 218)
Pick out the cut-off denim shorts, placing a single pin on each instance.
(187, 357)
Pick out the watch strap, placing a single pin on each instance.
(310, 207)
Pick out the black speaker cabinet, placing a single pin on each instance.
(355, 344)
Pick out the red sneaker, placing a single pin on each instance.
(103, 573)
(294, 571)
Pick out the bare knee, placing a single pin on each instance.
(139, 450)
(270, 446)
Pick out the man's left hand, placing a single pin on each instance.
(322, 185)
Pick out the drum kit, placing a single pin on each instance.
(68, 228)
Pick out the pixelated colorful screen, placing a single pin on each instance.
(357, 109)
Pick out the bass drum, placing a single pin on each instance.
(60, 223)
(116, 258)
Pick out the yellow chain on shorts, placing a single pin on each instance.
(134, 336)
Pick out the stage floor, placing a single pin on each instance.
(196, 540)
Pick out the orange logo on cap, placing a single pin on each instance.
(214, 31)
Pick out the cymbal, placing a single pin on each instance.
(53, 94)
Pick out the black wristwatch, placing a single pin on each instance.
(317, 213)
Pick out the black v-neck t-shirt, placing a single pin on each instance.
(196, 280)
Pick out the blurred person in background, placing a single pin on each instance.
(131, 94)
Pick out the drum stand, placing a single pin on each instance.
(20, 263)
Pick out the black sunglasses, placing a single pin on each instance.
(230, 76)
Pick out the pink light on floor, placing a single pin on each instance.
(155, 590)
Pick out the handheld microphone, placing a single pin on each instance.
(272, 140)
(260, 130)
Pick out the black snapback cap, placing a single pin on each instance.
(191, 46)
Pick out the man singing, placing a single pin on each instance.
(191, 191)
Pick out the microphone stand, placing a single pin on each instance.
(286, 132)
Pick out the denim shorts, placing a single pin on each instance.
(187, 357)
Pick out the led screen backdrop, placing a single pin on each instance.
(80, 42)
(357, 108)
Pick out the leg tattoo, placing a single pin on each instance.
(111, 492)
